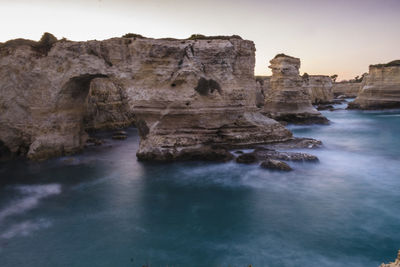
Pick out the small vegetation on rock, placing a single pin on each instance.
(219, 37)
(393, 63)
(42, 47)
(282, 55)
(305, 77)
(132, 35)
(334, 77)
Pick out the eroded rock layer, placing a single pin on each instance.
(287, 98)
(347, 89)
(320, 88)
(381, 90)
(186, 96)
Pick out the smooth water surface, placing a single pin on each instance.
(104, 208)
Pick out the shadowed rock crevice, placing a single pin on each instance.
(75, 91)
(5, 152)
(205, 87)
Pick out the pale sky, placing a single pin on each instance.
(330, 37)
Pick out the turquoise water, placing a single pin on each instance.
(103, 208)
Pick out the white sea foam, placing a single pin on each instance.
(25, 228)
(31, 195)
(389, 115)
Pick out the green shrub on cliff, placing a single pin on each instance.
(42, 47)
(393, 63)
(132, 35)
(219, 37)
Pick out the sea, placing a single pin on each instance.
(105, 208)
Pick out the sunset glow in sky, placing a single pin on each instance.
(330, 37)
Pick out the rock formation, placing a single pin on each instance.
(189, 98)
(320, 88)
(347, 89)
(287, 99)
(396, 263)
(107, 106)
(262, 89)
(381, 90)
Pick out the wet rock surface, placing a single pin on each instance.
(275, 165)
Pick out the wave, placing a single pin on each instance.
(32, 194)
(25, 228)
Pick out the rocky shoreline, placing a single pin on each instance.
(192, 98)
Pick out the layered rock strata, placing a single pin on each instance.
(288, 99)
(381, 90)
(347, 89)
(188, 98)
(320, 88)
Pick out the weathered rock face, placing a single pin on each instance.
(107, 106)
(287, 99)
(262, 88)
(348, 89)
(320, 88)
(381, 90)
(184, 94)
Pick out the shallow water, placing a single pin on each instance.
(103, 208)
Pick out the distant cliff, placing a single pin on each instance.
(320, 88)
(348, 89)
(381, 90)
(186, 97)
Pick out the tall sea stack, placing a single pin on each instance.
(288, 99)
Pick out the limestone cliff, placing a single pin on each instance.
(320, 88)
(184, 95)
(348, 89)
(381, 90)
(287, 98)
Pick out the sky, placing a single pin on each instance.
(330, 37)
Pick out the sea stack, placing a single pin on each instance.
(288, 99)
(381, 90)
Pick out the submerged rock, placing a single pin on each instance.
(396, 263)
(275, 165)
(247, 158)
(186, 154)
(94, 141)
(294, 144)
(288, 99)
(119, 137)
(262, 153)
(381, 88)
(324, 106)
